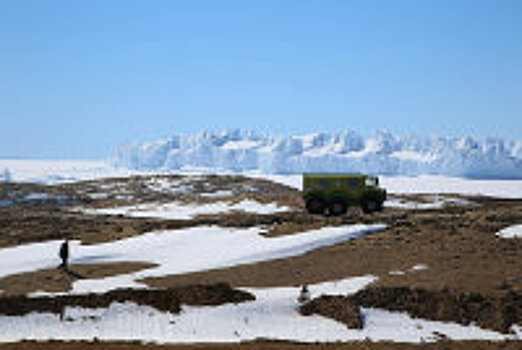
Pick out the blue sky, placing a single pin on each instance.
(78, 78)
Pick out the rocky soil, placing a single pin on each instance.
(337, 307)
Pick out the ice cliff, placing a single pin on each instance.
(345, 151)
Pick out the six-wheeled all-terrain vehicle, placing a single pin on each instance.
(333, 193)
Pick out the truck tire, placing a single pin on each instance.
(369, 206)
(338, 208)
(315, 206)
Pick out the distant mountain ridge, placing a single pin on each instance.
(345, 151)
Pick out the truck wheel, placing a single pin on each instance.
(338, 208)
(369, 206)
(315, 206)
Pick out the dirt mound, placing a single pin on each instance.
(497, 312)
(337, 307)
(161, 299)
(215, 294)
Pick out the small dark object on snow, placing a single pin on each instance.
(304, 295)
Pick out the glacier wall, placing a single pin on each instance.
(345, 151)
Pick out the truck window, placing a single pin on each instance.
(371, 181)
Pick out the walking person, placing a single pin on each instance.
(64, 254)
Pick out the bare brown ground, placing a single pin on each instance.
(497, 312)
(21, 225)
(60, 280)
(165, 300)
(337, 307)
(36, 221)
(458, 245)
(265, 345)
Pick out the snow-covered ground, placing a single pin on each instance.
(429, 202)
(452, 185)
(514, 231)
(182, 211)
(59, 171)
(177, 251)
(427, 184)
(49, 171)
(273, 315)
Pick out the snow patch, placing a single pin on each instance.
(429, 202)
(180, 211)
(419, 267)
(396, 273)
(217, 194)
(6, 203)
(514, 231)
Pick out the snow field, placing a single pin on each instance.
(177, 251)
(273, 315)
(59, 171)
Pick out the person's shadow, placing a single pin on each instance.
(70, 272)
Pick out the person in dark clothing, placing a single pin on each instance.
(64, 253)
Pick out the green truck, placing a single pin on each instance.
(333, 193)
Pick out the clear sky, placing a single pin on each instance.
(78, 78)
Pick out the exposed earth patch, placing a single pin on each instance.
(337, 307)
(61, 280)
(169, 299)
